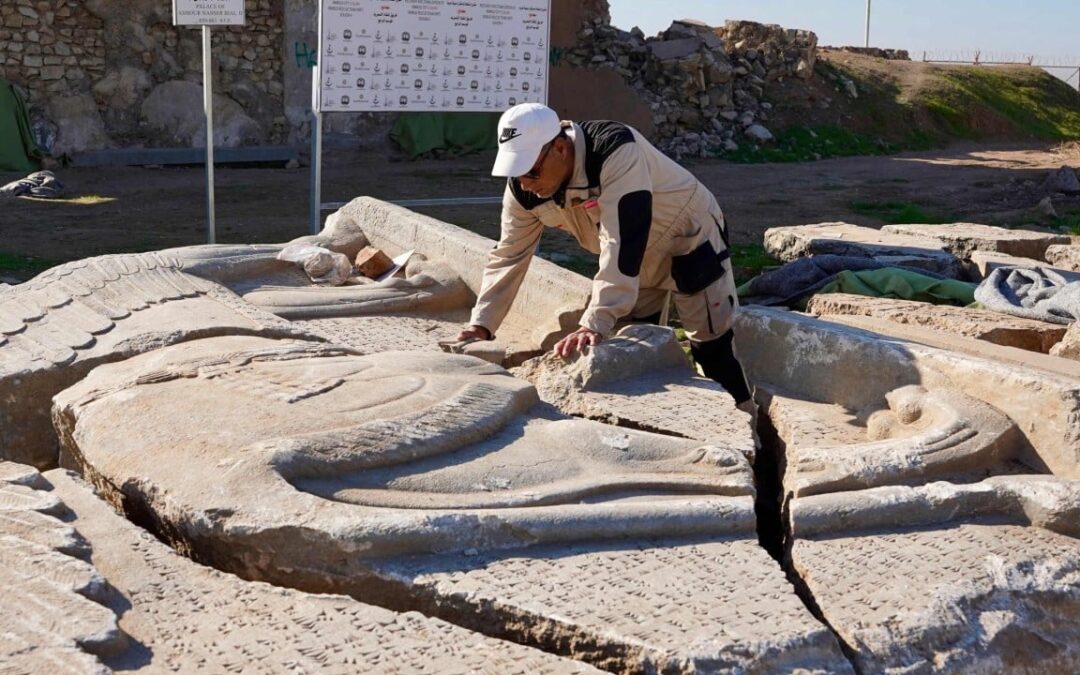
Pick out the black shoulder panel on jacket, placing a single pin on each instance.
(527, 199)
(602, 137)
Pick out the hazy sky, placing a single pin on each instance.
(1046, 28)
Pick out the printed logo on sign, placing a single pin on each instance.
(508, 134)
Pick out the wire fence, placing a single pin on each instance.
(978, 57)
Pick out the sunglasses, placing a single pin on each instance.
(534, 173)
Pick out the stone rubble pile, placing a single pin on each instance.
(705, 85)
(877, 52)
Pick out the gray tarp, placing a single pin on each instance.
(1032, 293)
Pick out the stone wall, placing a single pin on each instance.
(102, 73)
(703, 85)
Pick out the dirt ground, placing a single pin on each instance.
(111, 210)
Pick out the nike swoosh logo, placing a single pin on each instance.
(508, 134)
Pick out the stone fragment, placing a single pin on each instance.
(58, 326)
(789, 243)
(666, 50)
(83, 128)
(1062, 180)
(1064, 256)
(1069, 347)
(961, 239)
(1001, 329)
(187, 618)
(173, 114)
(372, 263)
(759, 133)
(827, 362)
(640, 378)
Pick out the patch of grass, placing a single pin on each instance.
(748, 261)
(801, 144)
(899, 213)
(23, 265)
(973, 102)
(81, 200)
(1067, 222)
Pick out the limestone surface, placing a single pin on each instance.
(829, 362)
(962, 239)
(183, 617)
(917, 436)
(55, 619)
(640, 606)
(56, 327)
(1065, 256)
(641, 378)
(1000, 329)
(789, 243)
(966, 597)
(1069, 347)
(177, 616)
(268, 455)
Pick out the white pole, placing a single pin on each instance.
(867, 24)
(208, 105)
(315, 213)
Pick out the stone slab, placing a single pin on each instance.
(1069, 347)
(59, 325)
(962, 239)
(551, 298)
(1000, 329)
(790, 243)
(641, 379)
(982, 263)
(637, 606)
(967, 597)
(183, 617)
(837, 363)
(917, 436)
(338, 459)
(1065, 256)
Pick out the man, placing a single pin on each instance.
(655, 227)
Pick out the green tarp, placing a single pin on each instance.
(18, 152)
(890, 282)
(418, 133)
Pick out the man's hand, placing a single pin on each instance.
(474, 333)
(577, 342)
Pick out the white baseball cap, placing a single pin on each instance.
(523, 132)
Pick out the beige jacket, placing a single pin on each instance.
(625, 201)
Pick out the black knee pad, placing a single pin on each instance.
(718, 362)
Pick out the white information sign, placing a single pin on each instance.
(208, 12)
(436, 55)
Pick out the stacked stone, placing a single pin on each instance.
(877, 52)
(51, 47)
(704, 85)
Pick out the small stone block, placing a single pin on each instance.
(372, 262)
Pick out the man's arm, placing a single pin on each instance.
(506, 267)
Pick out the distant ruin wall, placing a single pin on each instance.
(91, 70)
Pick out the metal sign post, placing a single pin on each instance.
(207, 13)
(315, 212)
(208, 107)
